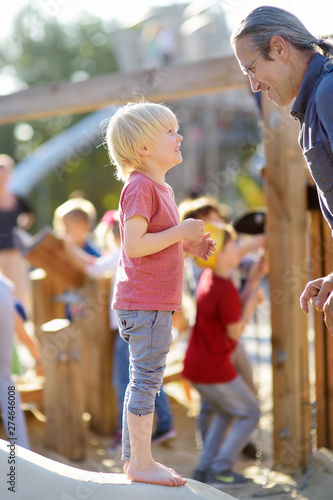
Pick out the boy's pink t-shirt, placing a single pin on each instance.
(153, 282)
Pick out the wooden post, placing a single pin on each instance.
(286, 225)
(317, 270)
(321, 265)
(98, 338)
(44, 289)
(328, 260)
(49, 299)
(63, 394)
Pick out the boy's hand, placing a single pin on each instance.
(192, 229)
(203, 248)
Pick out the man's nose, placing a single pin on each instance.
(255, 85)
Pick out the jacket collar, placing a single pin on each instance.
(312, 73)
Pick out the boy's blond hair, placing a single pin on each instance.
(133, 127)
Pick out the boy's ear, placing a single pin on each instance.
(142, 150)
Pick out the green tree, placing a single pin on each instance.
(46, 51)
(43, 51)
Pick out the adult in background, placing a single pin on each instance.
(14, 211)
(285, 61)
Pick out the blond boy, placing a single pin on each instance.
(144, 144)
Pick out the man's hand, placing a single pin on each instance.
(318, 292)
(328, 313)
(203, 249)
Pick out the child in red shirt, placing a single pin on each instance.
(144, 144)
(222, 314)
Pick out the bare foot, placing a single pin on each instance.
(154, 473)
(125, 468)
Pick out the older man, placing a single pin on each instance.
(283, 59)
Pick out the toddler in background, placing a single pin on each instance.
(222, 314)
(76, 218)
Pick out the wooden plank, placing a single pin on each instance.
(328, 262)
(47, 251)
(286, 227)
(63, 436)
(31, 391)
(317, 270)
(75, 403)
(157, 84)
(51, 406)
(98, 342)
(63, 392)
(44, 288)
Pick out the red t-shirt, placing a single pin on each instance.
(153, 282)
(207, 359)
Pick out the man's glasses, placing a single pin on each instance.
(247, 71)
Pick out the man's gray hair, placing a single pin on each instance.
(265, 22)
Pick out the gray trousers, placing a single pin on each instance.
(149, 334)
(236, 416)
(12, 415)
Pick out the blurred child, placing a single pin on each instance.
(210, 210)
(205, 208)
(10, 402)
(76, 218)
(144, 144)
(222, 314)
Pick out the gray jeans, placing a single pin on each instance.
(149, 334)
(13, 417)
(237, 411)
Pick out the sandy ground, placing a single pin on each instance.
(182, 453)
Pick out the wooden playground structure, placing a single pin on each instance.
(300, 248)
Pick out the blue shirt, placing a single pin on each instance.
(313, 108)
(88, 248)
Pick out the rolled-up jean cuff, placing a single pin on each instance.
(142, 412)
